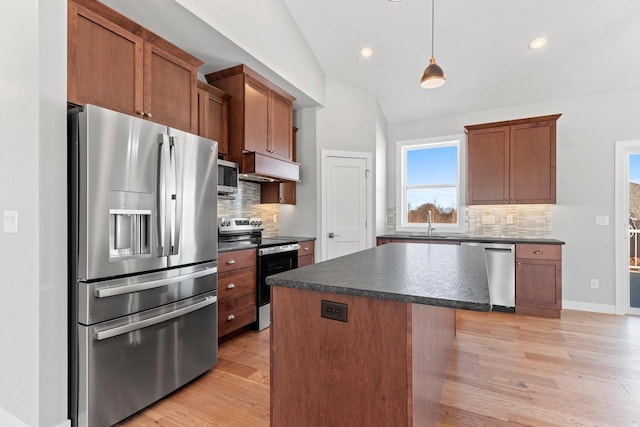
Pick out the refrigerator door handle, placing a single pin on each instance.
(114, 332)
(161, 194)
(151, 284)
(176, 197)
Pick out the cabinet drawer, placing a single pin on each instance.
(236, 283)
(526, 251)
(306, 248)
(233, 260)
(305, 260)
(235, 314)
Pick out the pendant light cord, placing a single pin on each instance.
(433, 3)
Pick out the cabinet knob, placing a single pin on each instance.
(231, 317)
(141, 113)
(306, 248)
(149, 115)
(231, 262)
(518, 264)
(231, 285)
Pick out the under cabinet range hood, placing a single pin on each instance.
(258, 167)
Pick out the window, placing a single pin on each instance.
(429, 177)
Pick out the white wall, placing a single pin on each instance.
(300, 219)
(381, 172)
(586, 133)
(348, 122)
(33, 382)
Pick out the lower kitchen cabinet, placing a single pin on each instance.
(306, 253)
(236, 290)
(539, 280)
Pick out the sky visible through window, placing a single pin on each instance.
(634, 168)
(432, 166)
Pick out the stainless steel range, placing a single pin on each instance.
(275, 255)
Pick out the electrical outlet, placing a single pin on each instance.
(334, 310)
(10, 222)
(602, 219)
(275, 218)
(509, 219)
(594, 284)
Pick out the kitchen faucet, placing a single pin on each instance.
(430, 228)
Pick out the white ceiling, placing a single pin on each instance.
(482, 45)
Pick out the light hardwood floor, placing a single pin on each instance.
(580, 370)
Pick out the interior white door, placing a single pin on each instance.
(346, 205)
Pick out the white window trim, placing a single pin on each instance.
(442, 141)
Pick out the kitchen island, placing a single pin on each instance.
(365, 339)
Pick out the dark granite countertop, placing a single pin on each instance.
(471, 238)
(440, 275)
(295, 238)
(234, 246)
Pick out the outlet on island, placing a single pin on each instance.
(334, 310)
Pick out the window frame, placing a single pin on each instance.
(401, 188)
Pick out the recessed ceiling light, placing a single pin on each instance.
(395, 1)
(366, 52)
(537, 43)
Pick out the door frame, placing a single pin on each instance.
(368, 157)
(621, 262)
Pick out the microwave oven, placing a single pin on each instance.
(227, 177)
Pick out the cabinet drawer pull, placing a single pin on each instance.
(231, 317)
(306, 248)
(538, 252)
(231, 285)
(231, 262)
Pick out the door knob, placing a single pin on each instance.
(332, 235)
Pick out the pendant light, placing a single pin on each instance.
(433, 75)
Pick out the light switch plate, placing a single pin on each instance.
(602, 219)
(10, 224)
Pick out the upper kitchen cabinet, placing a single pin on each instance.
(512, 161)
(213, 115)
(261, 114)
(117, 64)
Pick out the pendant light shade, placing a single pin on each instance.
(433, 75)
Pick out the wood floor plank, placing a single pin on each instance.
(505, 370)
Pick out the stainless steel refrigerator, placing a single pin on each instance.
(143, 262)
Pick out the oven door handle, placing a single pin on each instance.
(151, 284)
(114, 332)
(278, 249)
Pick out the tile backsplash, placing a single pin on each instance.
(247, 204)
(510, 220)
(500, 220)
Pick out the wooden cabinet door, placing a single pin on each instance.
(170, 91)
(538, 287)
(105, 63)
(288, 193)
(281, 127)
(213, 119)
(533, 164)
(256, 122)
(488, 166)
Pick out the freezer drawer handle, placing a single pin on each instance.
(121, 290)
(114, 332)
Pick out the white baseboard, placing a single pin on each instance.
(589, 306)
(65, 424)
(8, 420)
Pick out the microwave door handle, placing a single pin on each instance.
(176, 197)
(131, 327)
(161, 194)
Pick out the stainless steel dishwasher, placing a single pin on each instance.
(500, 260)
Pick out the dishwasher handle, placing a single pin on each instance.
(498, 249)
